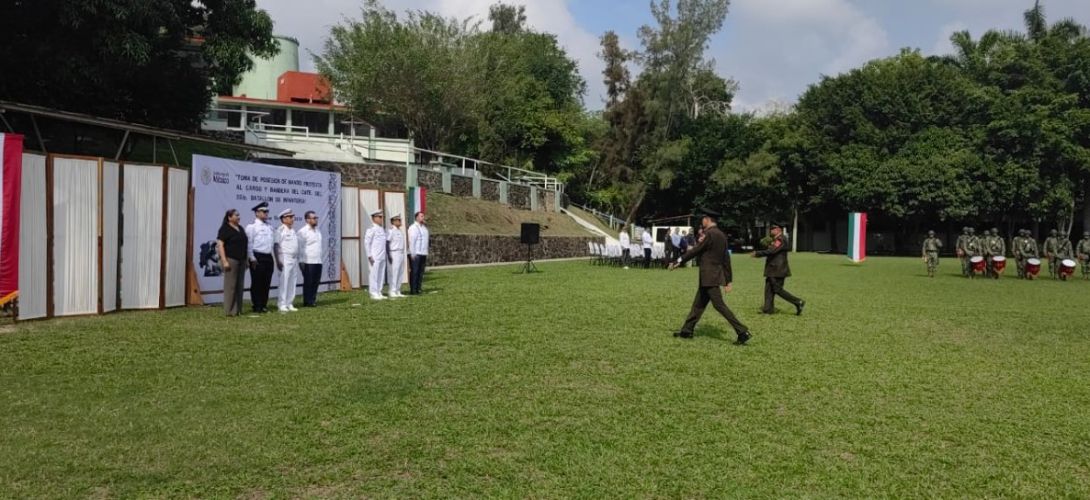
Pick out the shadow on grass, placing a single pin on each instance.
(713, 333)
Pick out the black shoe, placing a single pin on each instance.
(764, 311)
(683, 335)
(799, 306)
(743, 338)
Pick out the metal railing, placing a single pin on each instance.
(288, 129)
(608, 219)
(367, 148)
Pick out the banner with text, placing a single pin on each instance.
(221, 184)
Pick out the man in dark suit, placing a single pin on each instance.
(777, 271)
(715, 272)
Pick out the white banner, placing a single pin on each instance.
(221, 184)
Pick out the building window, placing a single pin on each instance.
(317, 122)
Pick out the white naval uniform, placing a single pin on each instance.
(375, 243)
(259, 238)
(397, 261)
(288, 253)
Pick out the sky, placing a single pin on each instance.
(774, 49)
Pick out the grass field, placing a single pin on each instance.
(567, 383)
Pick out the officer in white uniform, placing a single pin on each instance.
(287, 252)
(397, 256)
(311, 254)
(626, 246)
(648, 242)
(259, 237)
(375, 243)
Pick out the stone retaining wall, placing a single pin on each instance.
(490, 190)
(518, 196)
(430, 180)
(391, 177)
(380, 175)
(461, 186)
(456, 249)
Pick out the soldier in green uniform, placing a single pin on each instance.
(1064, 250)
(777, 271)
(973, 248)
(1016, 252)
(986, 251)
(1082, 251)
(959, 248)
(931, 247)
(1051, 245)
(997, 247)
(1030, 249)
(715, 274)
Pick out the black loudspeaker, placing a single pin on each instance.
(531, 233)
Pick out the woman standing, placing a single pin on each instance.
(231, 244)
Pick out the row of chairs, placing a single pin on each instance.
(613, 255)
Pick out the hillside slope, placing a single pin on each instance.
(455, 215)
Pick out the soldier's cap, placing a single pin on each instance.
(376, 213)
(778, 224)
(286, 212)
(707, 212)
(395, 217)
(263, 206)
(965, 229)
(1086, 234)
(931, 233)
(995, 231)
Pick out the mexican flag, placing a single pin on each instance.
(857, 236)
(11, 185)
(418, 202)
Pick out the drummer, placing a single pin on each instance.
(1082, 251)
(1029, 250)
(973, 248)
(1064, 250)
(996, 248)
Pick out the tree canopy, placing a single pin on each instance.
(155, 62)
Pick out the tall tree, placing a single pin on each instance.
(414, 70)
(507, 19)
(528, 104)
(674, 68)
(155, 62)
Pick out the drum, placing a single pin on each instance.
(1033, 266)
(978, 264)
(999, 263)
(1067, 267)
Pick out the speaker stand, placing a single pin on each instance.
(528, 266)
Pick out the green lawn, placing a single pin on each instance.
(567, 384)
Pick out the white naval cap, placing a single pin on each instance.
(376, 213)
(285, 212)
(395, 216)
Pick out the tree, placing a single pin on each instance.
(415, 71)
(507, 19)
(149, 61)
(528, 100)
(676, 79)
(509, 96)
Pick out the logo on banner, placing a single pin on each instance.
(208, 176)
